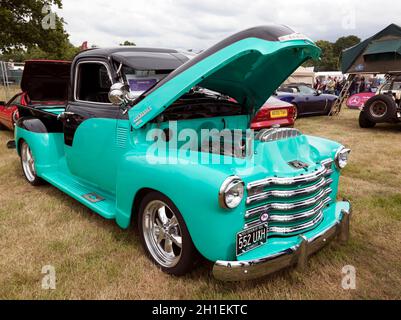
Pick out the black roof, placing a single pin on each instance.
(138, 57)
(106, 52)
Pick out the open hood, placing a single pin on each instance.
(46, 80)
(248, 66)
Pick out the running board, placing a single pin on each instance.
(104, 205)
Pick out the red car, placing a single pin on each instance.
(43, 82)
(9, 111)
(274, 113)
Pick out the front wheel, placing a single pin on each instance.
(28, 165)
(165, 236)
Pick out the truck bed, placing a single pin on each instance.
(48, 114)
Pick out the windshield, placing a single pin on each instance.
(142, 80)
(306, 90)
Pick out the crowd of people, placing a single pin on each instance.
(331, 85)
(334, 85)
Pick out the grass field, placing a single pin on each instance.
(5, 95)
(94, 259)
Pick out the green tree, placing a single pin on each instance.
(331, 53)
(22, 27)
(127, 43)
(345, 43)
(328, 60)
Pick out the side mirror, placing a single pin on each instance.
(318, 92)
(120, 94)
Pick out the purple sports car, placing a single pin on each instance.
(307, 101)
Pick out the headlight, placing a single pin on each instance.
(231, 192)
(342, 157)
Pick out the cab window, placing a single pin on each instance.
(92, 82)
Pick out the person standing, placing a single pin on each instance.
(331, 86)
(352, 87)
(362, 85)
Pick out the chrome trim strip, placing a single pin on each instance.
(275, 134)
(295, 255)
(327, 163)
(298, 228)
(287, 206)
(321, 172)
(293, 217)
(288, 193)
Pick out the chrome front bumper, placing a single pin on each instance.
(296, 255)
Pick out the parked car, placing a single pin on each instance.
(306, 100)
(9, 111)
(44, 84)
(257, 209)
(274, 113)
(384, 106)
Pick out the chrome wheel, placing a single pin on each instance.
(162, 233)
(378, 109)
(28, 162)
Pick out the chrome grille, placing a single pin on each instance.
(294, 204)
(275, 134)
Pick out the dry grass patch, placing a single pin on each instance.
(5, 94)
(94, 259)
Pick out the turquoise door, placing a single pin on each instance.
(90, 127)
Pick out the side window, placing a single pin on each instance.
(92, 82)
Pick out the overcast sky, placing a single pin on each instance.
(185, 24)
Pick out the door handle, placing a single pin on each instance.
(62, 116)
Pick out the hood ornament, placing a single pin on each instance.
(298, 164)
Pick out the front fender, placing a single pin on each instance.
(194, 190)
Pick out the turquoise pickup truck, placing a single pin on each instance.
(130, 144)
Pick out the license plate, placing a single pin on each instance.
(278, 114)
(251, 238)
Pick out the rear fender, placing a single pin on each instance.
(47, 148)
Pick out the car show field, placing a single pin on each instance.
(38, 226)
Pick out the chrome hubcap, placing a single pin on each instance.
(28, 162)
(162, 233)
(378, 109)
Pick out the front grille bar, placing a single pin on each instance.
(288, 193)
(294, 217)
(306, 178)
(298, 228)
(287, 206)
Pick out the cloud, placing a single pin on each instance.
(199, 24)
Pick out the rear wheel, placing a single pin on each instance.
(165, 236)
(364, 122)
(380, 108)
(28, 165)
